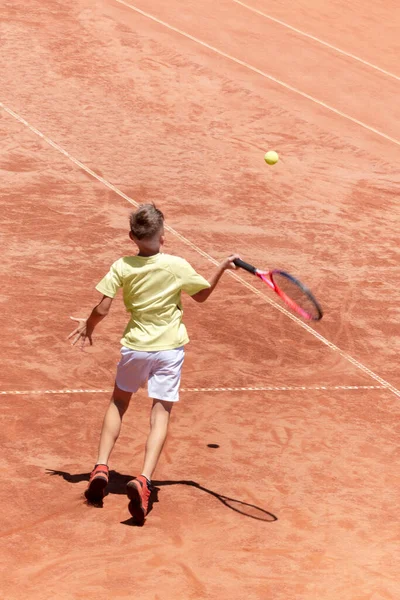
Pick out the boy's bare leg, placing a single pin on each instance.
(112, 424)
(159, 420)
(139, 489)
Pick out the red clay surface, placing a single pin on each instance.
(298, 502)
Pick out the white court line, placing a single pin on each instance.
(262, 73)
(268, 388)
(243, 282)
(315, 39)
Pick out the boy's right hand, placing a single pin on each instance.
(228, 262)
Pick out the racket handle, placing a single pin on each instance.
(244, 265)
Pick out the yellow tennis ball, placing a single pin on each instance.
(271, 157)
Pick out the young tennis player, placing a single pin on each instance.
(152, 344)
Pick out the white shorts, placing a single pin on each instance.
(162, 371)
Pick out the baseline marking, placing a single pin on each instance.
(254, 290)
(270, 388)
(259, 72)
(315, 39)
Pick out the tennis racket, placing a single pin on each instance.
(296, 295)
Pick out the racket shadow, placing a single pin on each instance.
(117, 485)
(244, 508)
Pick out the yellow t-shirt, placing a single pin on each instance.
(152, 295)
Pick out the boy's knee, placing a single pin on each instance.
(162, 407)
(161, 411)
(121, 399)
(122, 405)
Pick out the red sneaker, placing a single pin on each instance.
(138, 491)
(97, 484)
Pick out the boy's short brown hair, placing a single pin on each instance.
(146, 221)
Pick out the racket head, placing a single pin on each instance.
(295, 294)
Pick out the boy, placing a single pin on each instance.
(152, 344)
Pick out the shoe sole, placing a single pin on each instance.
(95, 491)
(135, 505)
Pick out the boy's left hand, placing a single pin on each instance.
(81, 332)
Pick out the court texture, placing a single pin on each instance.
(280, 477)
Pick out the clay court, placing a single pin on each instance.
(280, 478)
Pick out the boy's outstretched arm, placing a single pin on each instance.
(85, 329)
(226, 264)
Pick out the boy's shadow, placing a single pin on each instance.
(117, 485)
